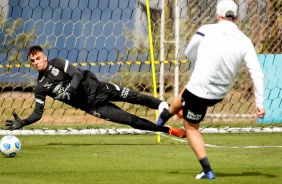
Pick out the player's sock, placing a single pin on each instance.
(205, 164)
(163, 117)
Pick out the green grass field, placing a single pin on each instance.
(128, 159)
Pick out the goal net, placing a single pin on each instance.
(110, 38)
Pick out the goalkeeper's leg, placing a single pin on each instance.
(120, 93)
(115, 114)
(123, 94)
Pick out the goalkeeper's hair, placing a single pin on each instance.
(34, 49)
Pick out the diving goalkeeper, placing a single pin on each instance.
(81, 89)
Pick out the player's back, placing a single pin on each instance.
(220, 54)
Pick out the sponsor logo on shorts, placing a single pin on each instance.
(193, 116)
(124, 92)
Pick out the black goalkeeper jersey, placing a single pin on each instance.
(60, 76)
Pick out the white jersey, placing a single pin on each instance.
(218, 51)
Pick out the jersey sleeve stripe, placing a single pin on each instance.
(39, 101)
(66, 66)
(199, 33)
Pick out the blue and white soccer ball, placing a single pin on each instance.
(10, 146)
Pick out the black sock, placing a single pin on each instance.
(205, 164)
(165, 115)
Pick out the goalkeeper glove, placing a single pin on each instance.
(15, 124)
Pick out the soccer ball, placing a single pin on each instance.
(10, 146)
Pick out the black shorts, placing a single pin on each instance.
(195, 108)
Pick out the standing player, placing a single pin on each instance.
(81, 89)
(217, 50)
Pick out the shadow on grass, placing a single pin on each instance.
(243, 174)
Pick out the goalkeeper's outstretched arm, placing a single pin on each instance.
(18, 123)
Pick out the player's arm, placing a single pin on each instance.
(191, 50)
(257, 76)
(37, 112)
(36, 115)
